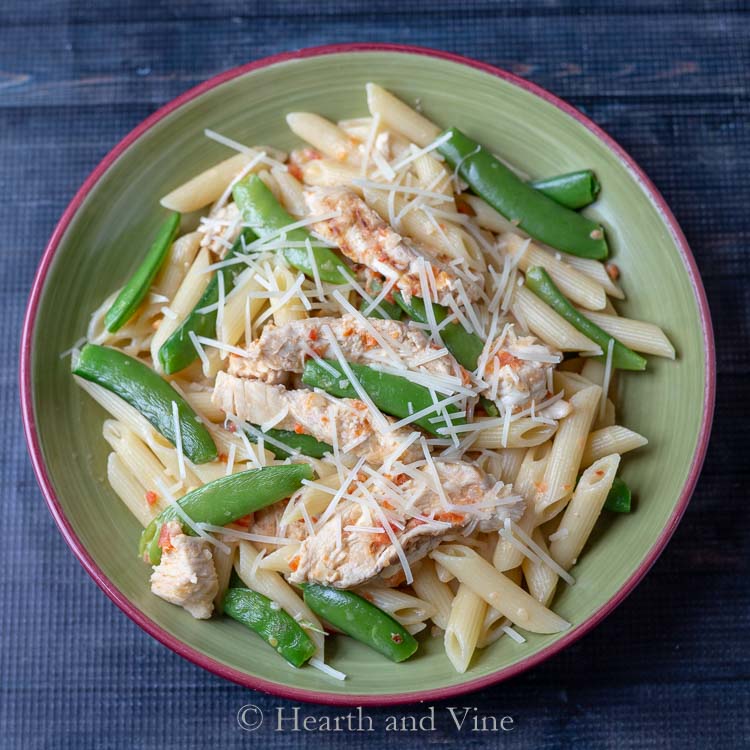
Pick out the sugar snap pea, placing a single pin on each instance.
(573, 190)
(226, 499)
(536, 214)
(136, 289)
(151, 395)
(358, 618)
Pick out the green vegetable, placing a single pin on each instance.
(390, 393)
(152, 396)
(572, 190)
(361, 620)
(226, 499)
(305, 444)
(265, 617)
(464, 346)
(538, 280)
(619, 497)
(136, 289)
(177, 352)
(392, 311)
(536, 214)
(266, 216)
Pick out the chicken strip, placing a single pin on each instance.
(339, 555)
(520, 372)
(186, 575)
(312, 414)
(283, 350)
(363, 236)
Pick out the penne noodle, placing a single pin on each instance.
(464, 627)
(177, 264)
(292, 309)
(540, 579)
(278, 560)
(190, 291)
(208, 186)
(523, 433)
(507, 556)
(429, 587)
(405, 608)
(567, 451)
(583, 510)
(330, 173)
(550, 327)
(612, 439)
(291, 192)
(396, 115)
(595, 269)
(138, 460)
(575, 285)
(322, 135)
(224, 564)
(129, 490)
(498, 590)
(639, 336)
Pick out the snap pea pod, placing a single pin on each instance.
(391, 309)
(573, 190)
(539, 281)
(266, 216)
(226, 499)
(392, 394)
(535, 213)
(152, 396)
(464, 346)
(177, 352)
(361, 620)
(619, 497)
(274, 625)
(134, 292)
(305, 444)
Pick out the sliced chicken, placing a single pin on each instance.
(186, 575)
(310, 413)
(363, 236)
(351, 558)
(284, 349)
(520, 372)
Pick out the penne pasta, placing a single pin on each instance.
(464, 627)
(430, 588)
(207, 187)
(567, 451)
(498, 590)
(129, 490)
(406, 608)
(550, 327)
(523, 433)
(639, 336)
(595, 269)
(321, 134)
(608, 440)
(396, 115)
(583, 510)
(540, 579)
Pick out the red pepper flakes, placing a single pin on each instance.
(613, 271)
(299, 429)
(151, 497)
(397, 638)
(232, 427)
(294, 563)
(165, 541)
(464, 208)
(223, 457)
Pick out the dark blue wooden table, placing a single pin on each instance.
(669, 80)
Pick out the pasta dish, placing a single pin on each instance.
(367, 388)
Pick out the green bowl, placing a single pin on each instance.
(117, 208)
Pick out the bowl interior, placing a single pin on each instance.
(107, 235)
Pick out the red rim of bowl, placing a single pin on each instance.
(257, 683)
